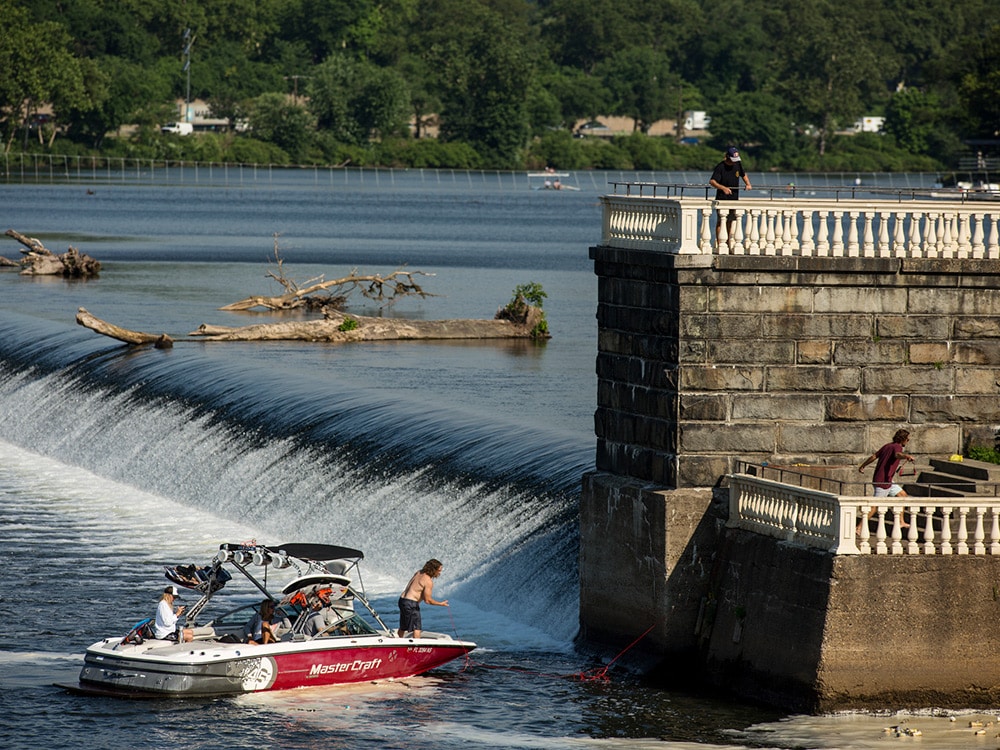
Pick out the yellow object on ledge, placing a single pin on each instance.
(956, 457)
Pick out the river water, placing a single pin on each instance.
(115, 463)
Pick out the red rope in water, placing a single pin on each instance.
(454, 629)
(600, 674)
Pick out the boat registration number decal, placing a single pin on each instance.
(357, 665)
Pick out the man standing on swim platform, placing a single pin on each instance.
(419, 589)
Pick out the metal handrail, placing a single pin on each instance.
(776, 192)
(847, 488)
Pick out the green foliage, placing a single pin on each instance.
(36, 67)
(872, 152)
(580, 96)
(757, 118)
(979, 88)
(505, 80)
(485, 73)
(604, 154)
(348, 324)
(540, 330)
(426, 154)
(247, 150)
(982, 453)
(356, 100)
(275, 119)
(912, 117)
(532, 293)
(559, 149)
(644, 88)
(517, 309)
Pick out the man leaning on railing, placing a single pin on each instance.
(726, 181)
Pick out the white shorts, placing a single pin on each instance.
(890, 491)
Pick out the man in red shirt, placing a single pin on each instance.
(887, 460)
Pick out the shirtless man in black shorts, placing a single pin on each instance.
(419, 589)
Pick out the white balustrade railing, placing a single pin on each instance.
(806, 227)
(903, 526)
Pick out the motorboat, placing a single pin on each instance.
(327, 631)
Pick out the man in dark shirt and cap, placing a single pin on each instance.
(726, 181)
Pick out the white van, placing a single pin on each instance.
(180, 128)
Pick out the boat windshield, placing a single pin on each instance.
(242, 615)
(353, 624)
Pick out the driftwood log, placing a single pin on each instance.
(40, 261)
(334, 327)
(319, 293)
(159, 340)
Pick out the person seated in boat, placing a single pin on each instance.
(167, 615)
(316, 622)
(265, 627)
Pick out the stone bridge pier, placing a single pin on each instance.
(805, 342)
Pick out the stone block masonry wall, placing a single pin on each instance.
(706, 360)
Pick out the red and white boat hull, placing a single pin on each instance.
(211, 668)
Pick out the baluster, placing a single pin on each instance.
(897, 531)
(705, 245)
(769, 232)
(880, 535)
(738, 243)
(807, 246)
(964, 236)
(794, 515)
(823, 247)
(792, 232)
(978, 248)
(865, 534)
(755, 231)
(915, 250)
(963, 530)
(979, 535)
(782, 236)
(765, 507)
(868, 238)
(929, 530)
(946, 531)
(912, 548)
(948, 243)
(750, 499)
(995, 532)
(837, 245)
(899, 237)
(993, 243)
(883, 234)
(931, 243)
(852, 234)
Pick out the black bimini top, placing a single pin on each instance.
(318, 552)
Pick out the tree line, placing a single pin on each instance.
(502, 83)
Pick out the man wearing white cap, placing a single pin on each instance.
(167, 615)
(726, 181)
